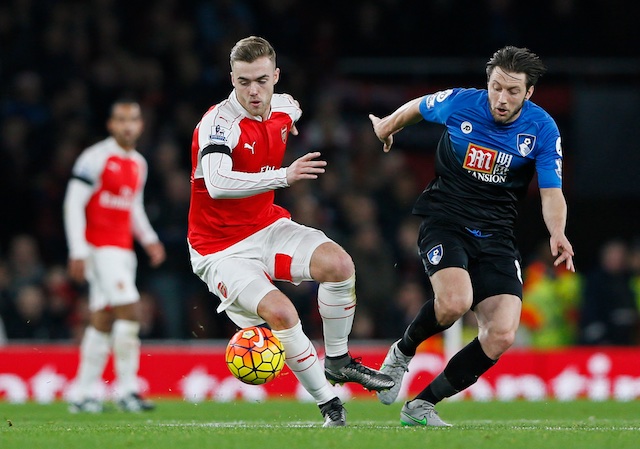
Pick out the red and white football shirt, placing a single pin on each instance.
(257, 149)
(104, 200)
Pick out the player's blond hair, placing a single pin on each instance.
(251, 48)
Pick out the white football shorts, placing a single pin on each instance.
(241, 275)
(111, 274)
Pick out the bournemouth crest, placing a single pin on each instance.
(434, 256)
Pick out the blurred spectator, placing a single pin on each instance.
(327, 131)
(31, 320)
(376, 278)
(170, 284)
(551, 302)
(634, 267)
(24, 262)
(408, 263)
(609, 313)
(204, 321)
(152, 325)
(364, 325)
(78, 318)
(27, 101)
(502, 23)
(408, 299)
(6, 305)
(61, 298)
(397, 193)
(359, 209)
(14, 192)
(3, 333)
(48, 198)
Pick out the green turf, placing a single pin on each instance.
(292, 425)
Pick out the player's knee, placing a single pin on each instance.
(281, 321)
(496, 342)
(279, 315)
(343, 268)
(331, 263)
(451, 308)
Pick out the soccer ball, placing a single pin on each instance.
(255, 356)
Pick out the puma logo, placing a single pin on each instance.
(250, 147)
(305, 358)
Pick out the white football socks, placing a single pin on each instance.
(126, 352)
(302, 359)
(337, 306)
(94, 352)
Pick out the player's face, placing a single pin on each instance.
(507, 94)
(254, 83)
(125, 124)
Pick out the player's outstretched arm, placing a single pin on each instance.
(554, 212)
(305, 167)
(385, 128)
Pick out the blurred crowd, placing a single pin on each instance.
(63, 62)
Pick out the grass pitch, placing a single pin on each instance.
(292, 425)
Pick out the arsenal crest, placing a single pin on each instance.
(222, 289)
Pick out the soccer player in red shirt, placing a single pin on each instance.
(240, 240)
(103, 213)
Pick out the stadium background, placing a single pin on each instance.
(63, 62)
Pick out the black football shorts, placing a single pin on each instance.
(492, 259)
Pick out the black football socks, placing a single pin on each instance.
(462, 371)
(423, 326)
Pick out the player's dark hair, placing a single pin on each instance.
(251, 48)
(517, 60)
(122, 100)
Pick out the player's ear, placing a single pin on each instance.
(529, 93)
(276, 75)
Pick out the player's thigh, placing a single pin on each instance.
(101, 320)
(111, 274)
(452, 283)
(498, 294)
(500, 313)
(129, 312)
(497, 271)
(498, 319)
(240, 284)
(288, 251)
(441, 246)
(445, 257)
